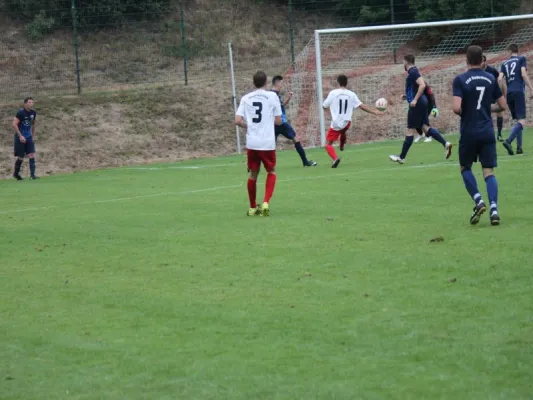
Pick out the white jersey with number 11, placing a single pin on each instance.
(341, 103)
(258, 109)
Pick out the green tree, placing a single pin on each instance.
(430, 10)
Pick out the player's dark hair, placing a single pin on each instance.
(474, 55)
(410, 59)
(342, 80)
(27, 99)
(513, 48)
(276, 79)
(260, 79)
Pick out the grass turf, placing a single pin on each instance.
(151, 283)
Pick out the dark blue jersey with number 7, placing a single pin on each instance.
(478, 90)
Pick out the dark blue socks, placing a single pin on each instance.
(406, 146)
(32, 166)
(435, 134)
(492, 190)
(301, 152)
(471, 185)
(516, 132)
(18, 164)
(499, 124)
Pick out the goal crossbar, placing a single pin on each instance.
(318, 57)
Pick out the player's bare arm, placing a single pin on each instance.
(370, 110)
(457, 105)
(421, 87)
(33, 129)
(277, 120)
(501, 105)
(239, 121)
(526, 79)
(16, 123)
(288, 99)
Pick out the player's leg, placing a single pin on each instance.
(331, 137)
(419, 135)
(268, 159)
(468, 151)
(343, 137)
(290, 134)
(489, 160)
(435, 134)
(511, 102)
(415, 121)
(520, 111)
(19, 151)
(254, 165)
(30, 151)
(499, 125)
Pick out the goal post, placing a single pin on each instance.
(366, 56)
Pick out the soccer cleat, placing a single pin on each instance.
(311, 163)
(18, 177)
(448, 152)
(397, 159)
(253, 212)
(34, 177)
(500, 138)
(494, 219)
(508, 147)
(427, 140)
(418, 138)
(336, 163)
(519, 150)
(479, 210)
(265, 210)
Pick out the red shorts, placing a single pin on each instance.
(256, 157)
(333, 135)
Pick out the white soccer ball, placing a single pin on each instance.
(381, 104)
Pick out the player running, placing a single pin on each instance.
(285, 129)
(474, 93)
(257, 113)
(513, 78)
(499, 116)
(418, 114)
(433, 112)
(24, 124)
(341, 103)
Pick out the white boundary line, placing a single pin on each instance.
(219, 188)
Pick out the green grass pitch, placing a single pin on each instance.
(151, 283)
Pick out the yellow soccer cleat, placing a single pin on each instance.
(265, 210)
(253, 212)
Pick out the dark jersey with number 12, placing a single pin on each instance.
(478, 90)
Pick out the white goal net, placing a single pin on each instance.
(372, 58)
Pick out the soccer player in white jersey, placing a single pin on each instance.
(257, 113)
(341, 103)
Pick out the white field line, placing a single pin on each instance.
(220, 188)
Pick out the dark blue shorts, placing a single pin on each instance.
(517, 104)
(473, 149)
(286, 130)
(418, 116)
(22, 149)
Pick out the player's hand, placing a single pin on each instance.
(291, 94)
(435, 113)
(22, 139)
(378, 112)
(412, 104)
(403, 97)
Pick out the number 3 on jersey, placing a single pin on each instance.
(259, 108)
(481, 90)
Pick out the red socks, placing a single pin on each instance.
(331, 152)
(252, 189)
(270, 183)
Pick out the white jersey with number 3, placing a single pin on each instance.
(259, 109)
(341, 103)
